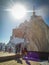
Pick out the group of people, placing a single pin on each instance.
(20, 49)
(23, 52)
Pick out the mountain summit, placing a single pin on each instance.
(36, 32)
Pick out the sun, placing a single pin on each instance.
(18, 11)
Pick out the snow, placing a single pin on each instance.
(17, 40)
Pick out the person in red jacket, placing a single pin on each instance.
(24, 51)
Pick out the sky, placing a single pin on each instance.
(7, 23)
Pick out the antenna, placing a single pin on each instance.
(33, 10)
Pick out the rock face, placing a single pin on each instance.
(36, 32)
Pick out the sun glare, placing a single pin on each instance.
(18, 11)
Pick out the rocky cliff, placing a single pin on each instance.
(36, 32)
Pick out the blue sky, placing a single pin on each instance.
(7, 23)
